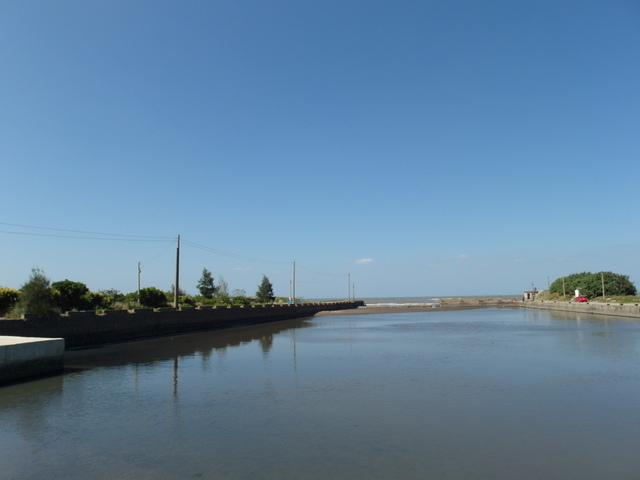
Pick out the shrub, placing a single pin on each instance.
(8, 298)
(152, 297)
(241, 300)
(70, 295)
(95, 300)
(186, 301)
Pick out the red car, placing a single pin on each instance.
(581, 299)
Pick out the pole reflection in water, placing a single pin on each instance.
(449, 395)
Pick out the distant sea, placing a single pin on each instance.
(403, 301)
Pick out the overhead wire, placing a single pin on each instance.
(95, 235)
(87, 235)
(233, 255)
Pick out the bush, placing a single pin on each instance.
(70, 295)
(96, 300)
(152, 297)
(241, 300)
(8, 299)
(186, 301)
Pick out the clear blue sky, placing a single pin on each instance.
(427, 148)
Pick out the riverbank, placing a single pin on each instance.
(81, 329)
(441, 305)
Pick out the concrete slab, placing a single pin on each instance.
(26, 356)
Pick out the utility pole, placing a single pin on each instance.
(177, 285)
(348, 287)
(139, 271)
(602, 277)
(293, 284)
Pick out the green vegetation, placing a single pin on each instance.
(41, 297)
(70, 295)
(37, 296)
(591, 285)
(8, 298)
(265, 291)
(153, 297)
(206, 286)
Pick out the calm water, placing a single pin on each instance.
(480, 394)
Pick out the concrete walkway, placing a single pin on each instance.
(26, 356)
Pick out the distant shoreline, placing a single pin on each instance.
(443, 305)
(398, 309)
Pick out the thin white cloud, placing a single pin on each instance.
(363, 261)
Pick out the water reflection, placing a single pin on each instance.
(148, 352)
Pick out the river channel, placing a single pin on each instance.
(476, 394)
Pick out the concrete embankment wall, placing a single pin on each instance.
(88, 328)
(23, 357)
(617, 309)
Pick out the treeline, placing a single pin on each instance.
(38, 295)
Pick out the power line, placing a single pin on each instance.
(151, 239)
(233, 255)
(102, 234)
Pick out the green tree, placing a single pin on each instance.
(8, 298)
(590, 284)
(206, 286)
(265, 291)
(36, 296)
(71, 295)
(153, 297)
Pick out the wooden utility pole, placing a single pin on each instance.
(176, 291)
(139, 271)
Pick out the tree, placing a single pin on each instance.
(223, 287)
(206, 287)
(590, 284)
(71, 295)
(153, 297)
(36, 295)
(265, 291)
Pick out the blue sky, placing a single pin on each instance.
(426, 148)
